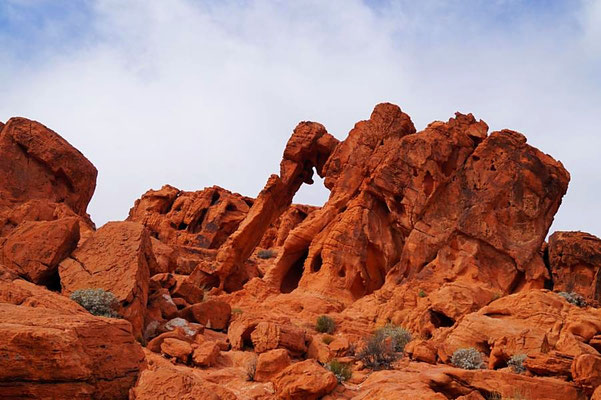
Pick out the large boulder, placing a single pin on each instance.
(161, 380)
(305, 380)
(117, 258)
(49, 353)
(35, 249)
(37, 163)
(575, 262)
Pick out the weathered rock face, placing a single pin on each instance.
(199, 219)
(34, 249)
(36, 163)
(45, 353)
(306, 380)
(526, 323)
(117, 258)
(308, 148)
(575, 262)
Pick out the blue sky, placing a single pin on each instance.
(197, 93)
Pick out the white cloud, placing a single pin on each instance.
(195, 94)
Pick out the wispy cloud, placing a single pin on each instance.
(201, 93)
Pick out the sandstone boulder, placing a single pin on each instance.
(213, 314)
(36, 163)
(178, 349)
(46, 353)
(575, 262)
(35, 249)
(206, 354)
(117, 258)
(269, 335)
(271, 363)
(305, 380)
(586, 370)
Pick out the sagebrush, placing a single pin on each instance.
(325, 324)
(469, 358)
(573, 298)
(342, 371)
(399, 336)
(265, 254)
(98, 302)
(516, 363)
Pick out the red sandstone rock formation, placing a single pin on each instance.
(575, 262)
(437, 231)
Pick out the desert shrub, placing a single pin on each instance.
(265, 254)
(469, 358)
(237, 311)
(421, 293)
(251, 369)
(573, 298)
(327, 339)
(98, 302)
(325, 324)
(399, 337)
(516, 363)
(342, 371)
(378, 353)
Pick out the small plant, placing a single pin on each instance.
(399, 337)
(378, 353)
(496, 296)
(421, 293)
(325, 324)
(342, 371)
(251, 369)
(237, 311)
(327, 339)
(469, 358)
(516, 363)
(573, 298)
(98, 302)
(265, 254)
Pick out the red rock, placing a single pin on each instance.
(309, 147)
(164, 381)
(46, 353)
(549, 364)
(201, 219)
(213, 314)
(116, 258)
(270, 364)
(165, 256)
(455, 381)
(186, 289)
(305, 380)
(22, 293)
(206, 354)
(597, 394)
(161, 300)
(35, 249)
(178, 333)
(521, 324)
(36, 163)
(178, 349)
(318, 350)
(421, 350)
(267, 336)
(586, 370)
(575, 261)
(340, 346)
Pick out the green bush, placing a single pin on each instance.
(378, 353)
(516, 363)
(325, 324)
(421, 293)
(342, 371)
(469, 358)
(399, 337)
(573, 298)
(237, 311)
(97, 301)
(265, 254)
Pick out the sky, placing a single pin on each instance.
(201, 93)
